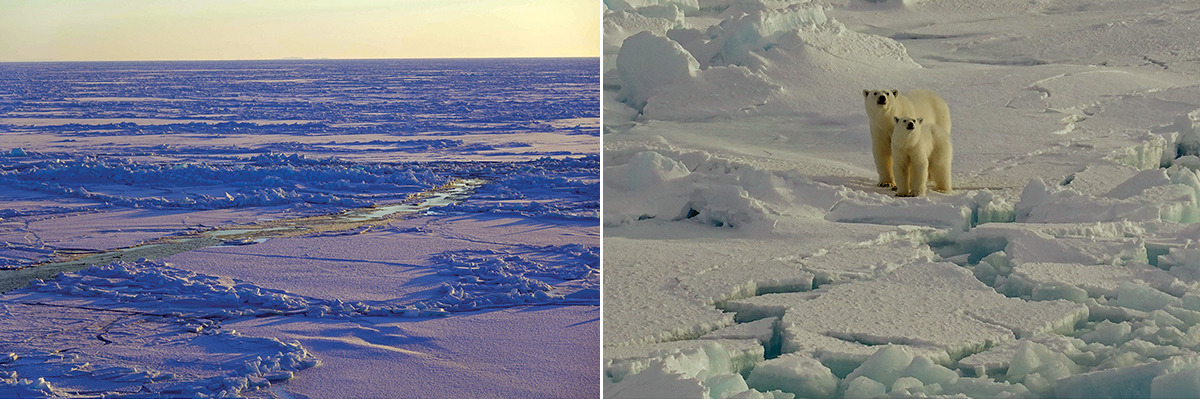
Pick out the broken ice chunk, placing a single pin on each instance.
(795, 373)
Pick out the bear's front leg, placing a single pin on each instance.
(919, 176)
(900, 164)
(882, 147)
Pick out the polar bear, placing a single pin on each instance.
(920, 151)
(883, 106)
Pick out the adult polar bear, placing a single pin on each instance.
(883, 106)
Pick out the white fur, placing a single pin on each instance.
(913, 104)
(921, 151)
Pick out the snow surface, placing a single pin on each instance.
(300, 229)
(740, 204)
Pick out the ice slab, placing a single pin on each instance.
(1086, 244)
(1179, 384)
(872, 258)
(794, 373)
(715, 356)
(917, 212)
(1123, 382)
(675, 294)
(998, 359)
(844, 356)
(898, 309)
(1097, 280)
(761, 330)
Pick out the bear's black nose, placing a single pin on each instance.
(910, 126)
(882, 100)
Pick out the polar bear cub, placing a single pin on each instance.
(920, 151)
(883, 106)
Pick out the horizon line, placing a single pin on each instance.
(308, 59)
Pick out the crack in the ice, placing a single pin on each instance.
(980, 319)
(1162, 64)
(122, 311)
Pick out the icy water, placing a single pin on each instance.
(357, 220)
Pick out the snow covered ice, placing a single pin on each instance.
(306, 229)
(748, 252)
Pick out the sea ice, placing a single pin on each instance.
(647, 62)
(884, 366)
(719, 356)
(1061, 267)
(1180, 384)
(757, 29)
(799, 374)
(897, 309)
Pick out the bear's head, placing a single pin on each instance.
(908, 123)
(879, 98)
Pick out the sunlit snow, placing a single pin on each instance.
(749, 254)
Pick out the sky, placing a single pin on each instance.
(143, 30)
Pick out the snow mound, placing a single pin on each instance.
(647, 62)
(662, 184)
(742, 65)
(653, 68)
(490, 278)
(16, 387)
(155, 284)
(1169, 194)
(621, 24)
(157, 288)
(645, 169)
(737, 36)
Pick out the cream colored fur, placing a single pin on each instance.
(921, 151)
(913, 104)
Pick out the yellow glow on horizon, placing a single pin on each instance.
(116, 30)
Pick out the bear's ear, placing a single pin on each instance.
(897, 118)
(866, 93)
(895, 92)
(920, 120)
